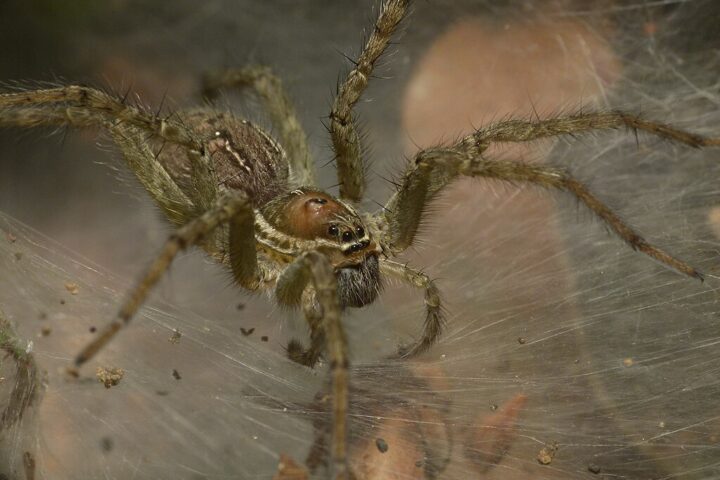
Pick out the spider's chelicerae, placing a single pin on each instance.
(250, 202)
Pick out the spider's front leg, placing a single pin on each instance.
(345, 137)
(433, 169)
(316, 268)
(233, 209)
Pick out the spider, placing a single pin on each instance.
(250, 202)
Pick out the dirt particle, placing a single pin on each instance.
(18, 256)
(175, 337)
(628, 362)
(522, 341)
(594, 468)
(92, 329)
(264, 338)
(240, 306)
(72, 287)
(381, 445)
(109, 377)
(45, 331)
(547, 453)
(106, 444)
(176, 374)
(246, 332)
(10, 237)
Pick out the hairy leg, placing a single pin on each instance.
(130, 128)
(434, 319)
(345, 138)
(227, 209)
(295, 349)
(84, 106)
(315, 267)
(131, 139)
(153, 176)
(432, 169)
(419, 188)
(282, 113)
(30, 117)
(292, 291)
(524, 131)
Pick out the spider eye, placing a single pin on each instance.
(360, 232)
(333, 230)
(346, 236)
(321, 201)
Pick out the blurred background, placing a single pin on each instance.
(567, 355)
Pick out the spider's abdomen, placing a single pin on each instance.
(243, 156)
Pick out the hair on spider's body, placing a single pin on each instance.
(250, 200)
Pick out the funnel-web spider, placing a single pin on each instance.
(250, 202)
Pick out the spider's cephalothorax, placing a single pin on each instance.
(232, 189)
(306, 219)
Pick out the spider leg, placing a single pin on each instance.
(434, 168)
(229, 209)
(282, 113)
(179, 206)
(345, 137)
(153, 176)
(434, 319)
(314, 266)
(30, 117)
(291, 290)
(84, 106)
(310, 356)
(524, 131)
(133, 142)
